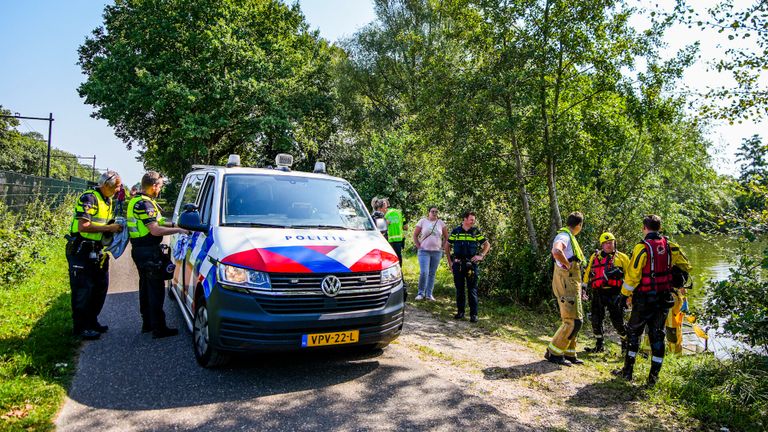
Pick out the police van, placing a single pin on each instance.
(281, 260)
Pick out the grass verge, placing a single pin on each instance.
(697, 392)
(36, 346)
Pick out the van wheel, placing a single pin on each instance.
(205, 355)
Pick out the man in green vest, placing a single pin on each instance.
(146, 228)
(566, 285)
(395, 231)
(88, 264)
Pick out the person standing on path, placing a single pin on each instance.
(469, 248)
(605, 275)
(649, 281)
(146, 228)
(429, 236)
(88, 264)
(396, 231)
(566, 285)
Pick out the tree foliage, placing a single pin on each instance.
(195, 80)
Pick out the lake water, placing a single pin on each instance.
(712, 259)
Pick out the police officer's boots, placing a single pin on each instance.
(599, 347)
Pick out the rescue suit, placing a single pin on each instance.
(566, 286)
(649, 282)
(88, 263)
(605, 275)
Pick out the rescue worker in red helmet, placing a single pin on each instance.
(605, 275)
(649, 282)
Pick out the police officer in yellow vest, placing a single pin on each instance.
(146, 228)
(88, 265)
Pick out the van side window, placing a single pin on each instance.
(206, 201)
(192, 189)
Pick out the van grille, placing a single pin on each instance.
(301, 294)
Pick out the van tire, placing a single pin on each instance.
(206, 356)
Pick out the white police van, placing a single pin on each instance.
(281, 260)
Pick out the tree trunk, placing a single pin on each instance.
(554, 206)
(520, 174)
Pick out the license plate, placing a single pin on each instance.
(335, 338)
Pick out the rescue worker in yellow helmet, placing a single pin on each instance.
(649, 282)
(146, 228)
(88, 264)
(605, 275)
(566, 285)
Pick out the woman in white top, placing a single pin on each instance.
(429, 237)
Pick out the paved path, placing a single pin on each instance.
(127, 381)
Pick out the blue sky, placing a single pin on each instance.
(39, 73)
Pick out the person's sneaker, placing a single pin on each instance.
(459, 316)
(558, 360)
(430, 298)
(574, 360)
(165, 332)
(88, 335)
(419, 297)
(100, 328)
(473, 318)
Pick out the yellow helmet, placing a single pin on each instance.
(606, 236)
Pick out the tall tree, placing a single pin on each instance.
(193, 80)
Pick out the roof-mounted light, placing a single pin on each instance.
(284, 161)
(233, 161)
(319, 168)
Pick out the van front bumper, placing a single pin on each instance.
(238, 322)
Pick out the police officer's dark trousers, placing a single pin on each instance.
(398, 247)
(88, 282)
(648, 310)
(151, 286)
(465, 275)
(603, 298)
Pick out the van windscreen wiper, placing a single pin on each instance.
(340, 227)
(253, 225)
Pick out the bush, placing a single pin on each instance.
(739, 304)
(23, 233)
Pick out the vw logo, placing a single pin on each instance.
(330, 285)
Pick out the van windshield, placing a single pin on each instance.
(291, 202)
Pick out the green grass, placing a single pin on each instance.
(697, 391)
(36, 346)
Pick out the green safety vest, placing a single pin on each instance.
(135, 220)
(101, 218)
(575, 246)
(395, 227)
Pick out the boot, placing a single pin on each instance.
(599, 347)
(653, 375)
(556, 359)
(628, 369)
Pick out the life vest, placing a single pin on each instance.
(657, 272)
(598, 278)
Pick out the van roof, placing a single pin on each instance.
(262, 171)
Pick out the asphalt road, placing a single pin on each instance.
(127, 381)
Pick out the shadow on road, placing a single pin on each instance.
(133, 376)
(520, 371)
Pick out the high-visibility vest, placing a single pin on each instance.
(577, 253)
(101, 218)
(395, 227)
(135, 219)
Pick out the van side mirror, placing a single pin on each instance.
(381, 225)
(190, 219)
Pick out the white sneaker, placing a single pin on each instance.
(430, 298)
(419, 297)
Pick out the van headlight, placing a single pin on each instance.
(243, 277)
(391, 275)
